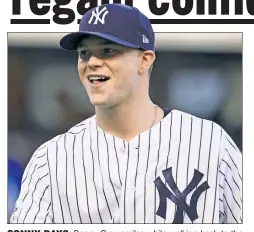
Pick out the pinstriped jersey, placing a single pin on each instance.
(182, 170)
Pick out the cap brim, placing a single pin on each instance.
(70, 41)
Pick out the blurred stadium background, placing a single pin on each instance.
(200, 73)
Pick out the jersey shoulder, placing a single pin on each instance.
(74, 130)
(226, 139)
(195, 118)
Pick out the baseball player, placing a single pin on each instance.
(133, 161)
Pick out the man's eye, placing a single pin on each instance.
(85, 55)
(109, 51)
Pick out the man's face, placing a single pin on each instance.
(109, 72)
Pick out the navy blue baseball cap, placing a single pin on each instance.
(117, 23)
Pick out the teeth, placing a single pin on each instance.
(93, 78)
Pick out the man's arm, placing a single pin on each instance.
(34, 202)
(230, 182)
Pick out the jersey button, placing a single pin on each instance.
(133, 188)
(122, 149)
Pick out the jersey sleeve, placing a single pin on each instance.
(230, 173)
(34, 202)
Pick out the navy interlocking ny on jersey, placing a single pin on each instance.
(183, 169)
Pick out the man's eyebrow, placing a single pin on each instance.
(104, 42)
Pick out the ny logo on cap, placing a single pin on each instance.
(96, 15)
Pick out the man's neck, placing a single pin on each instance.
(127, 121)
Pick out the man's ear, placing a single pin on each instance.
(147, 59)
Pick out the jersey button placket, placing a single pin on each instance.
(122, 149)
(129, 187)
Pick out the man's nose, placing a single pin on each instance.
(94, 62)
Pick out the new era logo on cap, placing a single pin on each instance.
(145, 40)
(98, 15)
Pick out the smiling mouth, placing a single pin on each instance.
(96, 79)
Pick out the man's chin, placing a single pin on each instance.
(103, 104)
(100, 103)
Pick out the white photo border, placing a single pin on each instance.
(248, 116)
